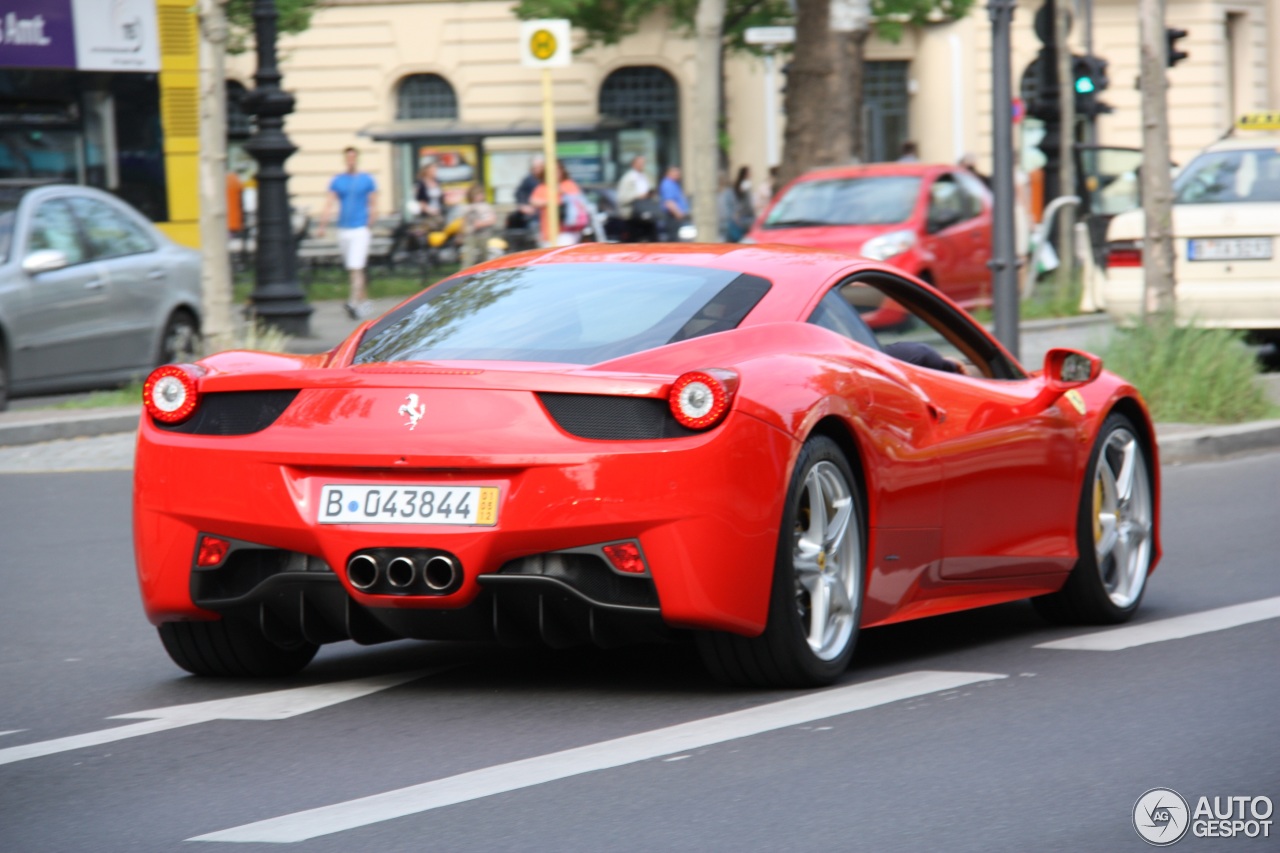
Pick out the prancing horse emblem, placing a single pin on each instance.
(414, 410)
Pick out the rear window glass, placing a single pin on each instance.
(880, 200)
(568, 313)
(1224, 177)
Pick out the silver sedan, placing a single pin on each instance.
(91, 294)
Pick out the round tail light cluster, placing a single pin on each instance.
(170, 394)
(700, 398)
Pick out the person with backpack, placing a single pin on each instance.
(575, 213)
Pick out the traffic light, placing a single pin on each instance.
(1089, 75)
(1171, 36)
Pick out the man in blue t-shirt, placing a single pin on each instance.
(674, 204)
(356, 196)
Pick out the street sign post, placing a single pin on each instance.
(545, 44)
(770, 38)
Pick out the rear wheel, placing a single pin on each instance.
(816, 599)
(180, 342)
(1114, 529)
(4, 379)
(231, 648)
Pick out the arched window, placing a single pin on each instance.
(646, 98)
(239, 122)
(426, 96)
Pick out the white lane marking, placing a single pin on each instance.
(12, 732)
(276, 705)
(679, 739)
(1174, 628)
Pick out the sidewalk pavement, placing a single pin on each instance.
(330, 324)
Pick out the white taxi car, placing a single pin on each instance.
(1226, 229)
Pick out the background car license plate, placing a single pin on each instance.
(400, 504)
(1229, 249)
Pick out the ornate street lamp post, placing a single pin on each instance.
(277, 297)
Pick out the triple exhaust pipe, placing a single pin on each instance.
(404, 572)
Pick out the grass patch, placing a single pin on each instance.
(126, 395)
(1190, 374)
(332, 283)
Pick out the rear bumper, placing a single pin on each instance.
(1230, 301)
(705, 510)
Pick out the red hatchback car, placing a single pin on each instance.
(932, 221)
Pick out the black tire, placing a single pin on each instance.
(1108, 590)
(231, 649)
(4, 379)
(180, 341)
(782, 656)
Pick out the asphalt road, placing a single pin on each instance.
(956, 733)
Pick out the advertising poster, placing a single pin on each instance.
(116, 35)
(37, 34)
(457, 167)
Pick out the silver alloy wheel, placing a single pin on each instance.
(1122, 517)
(181, 341)
(826, 553)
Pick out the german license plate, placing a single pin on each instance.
(1229, 249)
(401, 504)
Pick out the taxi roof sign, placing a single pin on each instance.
(545, 43)
(1259, 121)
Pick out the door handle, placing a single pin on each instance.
(96, 284)
(155, 275)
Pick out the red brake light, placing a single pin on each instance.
(170, 393)
(700, 398)
(1126, 254)
(212, 551)
(625, 557)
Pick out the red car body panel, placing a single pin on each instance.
(971, 485)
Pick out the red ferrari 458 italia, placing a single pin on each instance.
(605, 444)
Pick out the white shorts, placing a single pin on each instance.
(353, 245)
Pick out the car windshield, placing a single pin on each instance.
(567, 313)
(882, 200)
(1221, 177)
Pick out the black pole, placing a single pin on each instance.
(277, 297)
(1004, 263)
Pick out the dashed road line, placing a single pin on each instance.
(1173, 628)
(673, 740)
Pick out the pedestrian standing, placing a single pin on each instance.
(675, 204)
(634, 185)
(570, 230)
(429, 194)
(478, 219)
(356, 196)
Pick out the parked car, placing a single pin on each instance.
(932, 221)
(91, 294)
(1226, 222)
(608, 443)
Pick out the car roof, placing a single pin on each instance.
(1245, 140)
(871, 170)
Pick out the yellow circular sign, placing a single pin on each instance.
(542, 44)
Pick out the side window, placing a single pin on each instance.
(836, 314)
(53, 227)
(975, 191)
(110, 233)
(948, 204)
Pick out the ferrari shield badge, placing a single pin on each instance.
(1073, 396)
(413, 410)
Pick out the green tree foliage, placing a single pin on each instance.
(609, 21)
(295, 16)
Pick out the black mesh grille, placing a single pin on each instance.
(234, 413)
(613, 418)
(589, 575)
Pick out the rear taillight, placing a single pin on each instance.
(700, 398)
(1124, 253)
(170, 393)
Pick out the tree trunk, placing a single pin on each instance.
(857, 45)
(808, 93)
(706, 109)
(215, 275)
(1157, 185)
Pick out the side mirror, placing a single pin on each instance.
(44, 260)
(1065, 369)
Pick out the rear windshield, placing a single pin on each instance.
(1225, 177)
(569, 313)
(882, 200)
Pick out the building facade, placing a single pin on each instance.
(408, 80)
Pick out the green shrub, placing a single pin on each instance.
(1190, 374)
